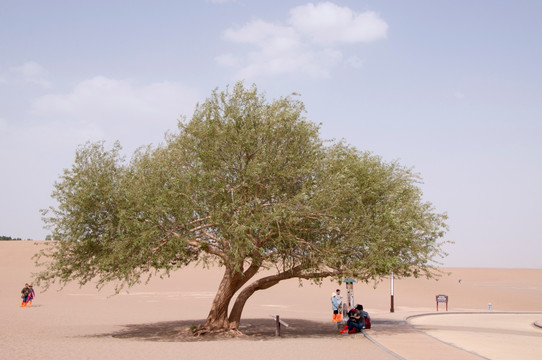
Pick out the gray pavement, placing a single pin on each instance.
(459, 336)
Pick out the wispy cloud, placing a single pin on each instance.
(32, 73)
(328, 23)
(279, 50)
(309, 43)
(119, 109)
(40, 142)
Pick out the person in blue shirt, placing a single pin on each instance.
(335, 307)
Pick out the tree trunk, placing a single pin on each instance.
(261, 284)
(237, 310)
(265, 283)
(217, 320)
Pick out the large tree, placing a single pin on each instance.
(246, 184)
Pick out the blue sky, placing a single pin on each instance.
(450, 88)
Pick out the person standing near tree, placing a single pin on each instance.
(339, 298)
(335, 306)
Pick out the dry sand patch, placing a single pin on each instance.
(143, 322)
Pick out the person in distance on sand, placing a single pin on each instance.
(24, 294)
(31, 295)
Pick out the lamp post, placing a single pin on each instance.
(391, 292)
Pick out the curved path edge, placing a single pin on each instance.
(403, 340)
(442, 341)
(397, 356)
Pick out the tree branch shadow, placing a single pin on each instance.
(252, 329)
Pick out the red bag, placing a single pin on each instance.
(367, 322)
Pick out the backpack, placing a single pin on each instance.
(367, 322)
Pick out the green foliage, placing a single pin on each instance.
(7, 238)
(248, 184)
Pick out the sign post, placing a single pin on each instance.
(442, 299)
(350, 292)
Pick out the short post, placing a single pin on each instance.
(489, 307)
(392, 309)
(442, 298)
(278, 323)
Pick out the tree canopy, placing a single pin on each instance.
(249, 185)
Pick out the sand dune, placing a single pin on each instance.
(82, 323)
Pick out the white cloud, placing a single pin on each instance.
(307, 46)
(328, 23)
(259, 32)
(311, 63)
(279, 50)
(32, 73)
(110, 109)
(37, 146)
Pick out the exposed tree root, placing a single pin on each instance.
(204, 330)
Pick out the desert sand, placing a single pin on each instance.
(142, 323)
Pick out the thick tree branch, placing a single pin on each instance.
(269, 281)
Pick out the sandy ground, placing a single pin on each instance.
(82, 323)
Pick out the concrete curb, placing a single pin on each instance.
(397, 356)
(413, 327)
(466, 313)
(437, 339)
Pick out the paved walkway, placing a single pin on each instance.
(460, 336)
(404, 342)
